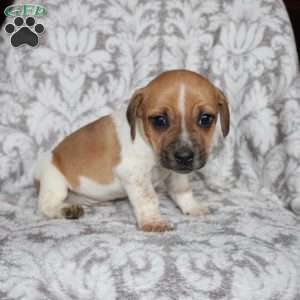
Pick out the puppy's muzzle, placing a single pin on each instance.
(183, 158)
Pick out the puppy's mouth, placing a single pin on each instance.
(183, 170)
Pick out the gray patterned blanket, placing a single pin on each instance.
(90, 58)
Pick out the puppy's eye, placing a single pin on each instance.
(160, 121)
(205, 120)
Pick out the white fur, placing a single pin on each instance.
(180, 191)
(100, 192)
(53, 187)
(41, 163)
(181, 107)
(135, 171)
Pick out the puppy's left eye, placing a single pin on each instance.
(205, 120)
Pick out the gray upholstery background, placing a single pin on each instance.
(92, 57)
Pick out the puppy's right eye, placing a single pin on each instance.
(160, 121)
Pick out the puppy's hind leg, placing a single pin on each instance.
(53, 192)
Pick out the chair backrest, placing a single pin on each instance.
(94, 54)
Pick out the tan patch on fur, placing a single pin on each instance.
(91, 151)
(209, 100)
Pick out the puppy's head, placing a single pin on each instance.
(179, 110)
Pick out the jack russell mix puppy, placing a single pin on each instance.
(167, 129)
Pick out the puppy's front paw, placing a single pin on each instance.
(156, 226)
(72, 211)
(197, 211)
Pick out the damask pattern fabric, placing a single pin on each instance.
(91, 59)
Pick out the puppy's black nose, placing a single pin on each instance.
(184, 156)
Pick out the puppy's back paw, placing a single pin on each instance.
(72, 211)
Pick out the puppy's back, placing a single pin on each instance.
(92, 152)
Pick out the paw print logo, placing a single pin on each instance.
(24, 33)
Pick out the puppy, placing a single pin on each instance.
(165, 133)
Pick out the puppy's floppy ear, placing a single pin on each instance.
(224, 112)
(133, 111)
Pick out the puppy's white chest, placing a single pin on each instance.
(159, 175)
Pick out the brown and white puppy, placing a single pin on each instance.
(167, 129)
